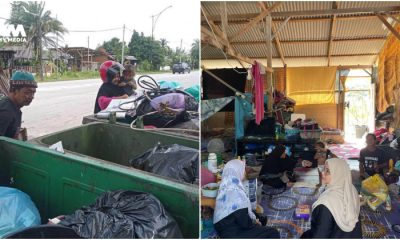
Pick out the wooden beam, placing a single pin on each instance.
(312, 41)
(244, 65)
(268, 30)
(253, 15)
(296, 57)
(224, 20)
(213, 26)
(388, 25)
(206, 37)
(370, 74)
(254, 21)
(392, 17)
(277, 42)
(335, 5)
(223, 82)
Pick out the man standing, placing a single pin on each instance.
(22, 91)
(372, 159)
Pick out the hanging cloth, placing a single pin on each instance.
(259, 96)
(212, 106)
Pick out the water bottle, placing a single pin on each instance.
(212, 162)
(388, 204)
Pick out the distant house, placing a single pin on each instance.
(132, 60)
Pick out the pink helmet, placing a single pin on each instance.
(106, 67)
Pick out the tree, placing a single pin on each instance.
(49, 26)
(195, 52)
(114, 46)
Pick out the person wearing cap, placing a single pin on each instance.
(110, 74)
(22, 92)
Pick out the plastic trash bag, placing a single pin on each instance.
(45, 232)
(194, 91)
(174, 161)
(123, 214)
(375, 186)
(170, 85)
(163, 120)
(175, 101)
(191, 104)
(17, 211)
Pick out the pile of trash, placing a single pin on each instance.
(175, 161)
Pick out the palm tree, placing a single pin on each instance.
(195, 52)
(34, 18)
(164, 44)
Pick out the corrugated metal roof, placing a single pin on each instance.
(360, 28)
(275, 62)
(212, 64)
(211, 52)
(361, 47)
(305, 49)
(367, 60)
(254, 51)
(306, 31)
(298, 31)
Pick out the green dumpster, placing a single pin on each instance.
(127, 123)
(60, 183)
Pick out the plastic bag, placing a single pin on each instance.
(170, 85)
(174, 161)
(194, 91)
(397, 166)
(123, 214)
(17, 211)
(175, 101)
(375, 186)
(191, 104)
(163, 120)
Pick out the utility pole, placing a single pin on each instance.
(123, 46)
(87, 53)
(41, 49)
(153, 26)
(180, 52)
(57, 53)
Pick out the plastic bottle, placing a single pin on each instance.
(388, 204)
(391, 165)
(239, 158)
(212, 162)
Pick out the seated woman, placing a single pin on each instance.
(336, 213)
(278, 168)
(233, 217)
(110, 74)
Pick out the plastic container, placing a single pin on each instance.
(210, 193)
(388, 204)
(310, 134)
(212, 162)
(291, 132)
(360, 131)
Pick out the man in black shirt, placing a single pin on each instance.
(22, 91)
(372, 159)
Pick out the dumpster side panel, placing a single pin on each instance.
(60, 184)
(112, 143)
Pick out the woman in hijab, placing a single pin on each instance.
(336, 213)
(233, 217)
(110, 74)
(278, 168)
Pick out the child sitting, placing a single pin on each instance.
(322, 154)
(127, 80)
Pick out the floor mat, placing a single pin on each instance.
(345, 150)
(296, 226)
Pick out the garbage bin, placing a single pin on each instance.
(44, 232)
(360, 130)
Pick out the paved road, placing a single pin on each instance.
(61, 105)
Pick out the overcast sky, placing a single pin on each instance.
(176, 23)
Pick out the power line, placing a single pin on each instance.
(105, 30)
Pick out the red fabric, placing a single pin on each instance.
(299, 119)
(105, 101)
(259, 93)
(378, 133)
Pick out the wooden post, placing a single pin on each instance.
(268, 29)
(338, 107)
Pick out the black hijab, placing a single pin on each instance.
(274, 164)
(109, 89)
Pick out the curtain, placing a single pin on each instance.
(388, 72)
(212, 106)
(311, 86)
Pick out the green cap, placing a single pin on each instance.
(23, 78)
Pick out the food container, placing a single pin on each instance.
(210, 193)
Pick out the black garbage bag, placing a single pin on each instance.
(123, 214)
(191, 104)
(164, 120)
(174, 161)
